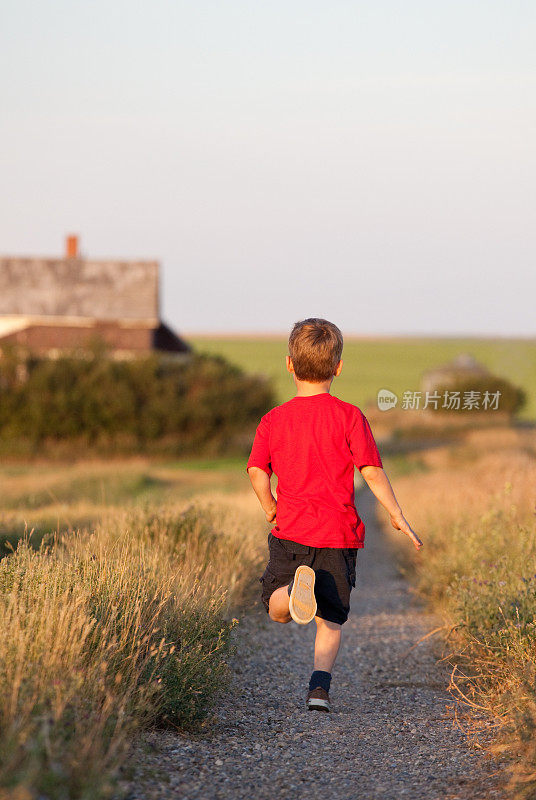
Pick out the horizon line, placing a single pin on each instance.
(252, 334)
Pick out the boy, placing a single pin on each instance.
(312, 444)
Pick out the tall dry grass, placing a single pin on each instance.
(108, 631)
(476, 511)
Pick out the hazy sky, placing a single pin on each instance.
(371, 162)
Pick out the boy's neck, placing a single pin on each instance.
(307, 389)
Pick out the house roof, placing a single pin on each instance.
(79, 288)
(53, 304)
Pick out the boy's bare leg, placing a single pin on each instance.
(278, 607)
(327, 642)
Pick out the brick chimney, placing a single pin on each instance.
(71, 246)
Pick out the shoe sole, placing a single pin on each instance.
(302, 603)
(318, 705)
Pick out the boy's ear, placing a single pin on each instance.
(338, 369)
(290, 365)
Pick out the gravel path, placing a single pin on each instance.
(389, 735)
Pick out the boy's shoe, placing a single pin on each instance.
(318, 700)
(302, 603)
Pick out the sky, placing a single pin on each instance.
(371, 162)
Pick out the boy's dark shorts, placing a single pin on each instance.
(334, 568)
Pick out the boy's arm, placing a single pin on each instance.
(260, 481)
(381, 487)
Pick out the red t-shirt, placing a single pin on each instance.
(312, 444)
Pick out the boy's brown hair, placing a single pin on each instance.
(315, 347)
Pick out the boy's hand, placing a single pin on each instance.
(260, 480)
(399, 522)
(270, 515)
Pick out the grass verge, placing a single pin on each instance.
(111, 630)
(475, 509)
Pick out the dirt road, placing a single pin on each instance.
(389, 735)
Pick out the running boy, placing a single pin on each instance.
(312, 443)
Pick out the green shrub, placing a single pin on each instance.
(199, 405)
(511, 398)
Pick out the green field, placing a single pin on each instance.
(373, 364)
